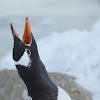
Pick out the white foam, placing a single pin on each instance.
(7, 62)
(74, 52)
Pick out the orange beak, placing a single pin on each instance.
(27, 38)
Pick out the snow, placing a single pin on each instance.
(73, 52)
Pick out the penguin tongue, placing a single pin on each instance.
(27, 38)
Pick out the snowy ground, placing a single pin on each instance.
(73, 52)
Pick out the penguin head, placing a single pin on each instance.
(25, 50)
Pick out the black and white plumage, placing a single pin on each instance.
(32, 70)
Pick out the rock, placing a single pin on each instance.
(11, 86)
(73, 89)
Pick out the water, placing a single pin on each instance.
(45, 17)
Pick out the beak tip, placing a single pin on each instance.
(26, 18)
(11, 26)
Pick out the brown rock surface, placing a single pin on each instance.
(11, 86)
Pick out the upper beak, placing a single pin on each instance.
(27, 37)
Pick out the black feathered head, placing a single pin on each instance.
(25, 48)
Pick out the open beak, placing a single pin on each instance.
(27, 37)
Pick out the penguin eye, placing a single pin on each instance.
(28, 52)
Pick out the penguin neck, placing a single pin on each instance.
(37, 79)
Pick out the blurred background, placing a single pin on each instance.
(45, 17)
(67, 31)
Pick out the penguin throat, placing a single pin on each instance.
(24, 60)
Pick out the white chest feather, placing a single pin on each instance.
(25, 95)
(62, 95)
(24, 60)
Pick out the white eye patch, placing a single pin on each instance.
(25, 59)
(28, 52)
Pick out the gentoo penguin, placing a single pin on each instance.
(32, 70)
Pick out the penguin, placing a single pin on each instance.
(32, 70)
